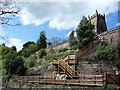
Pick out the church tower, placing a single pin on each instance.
(99, 23)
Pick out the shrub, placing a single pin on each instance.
(42, 53)
(74, 47)
(104, 43)
(32, 63)
(38, 64)
(15, 65)
(29, 50)
(109, 53)
(63, 50)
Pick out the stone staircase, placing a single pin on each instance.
(86, 68)
(91, 47)
(65, 62)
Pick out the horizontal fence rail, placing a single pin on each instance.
(88, 80)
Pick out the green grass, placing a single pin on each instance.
(59, 56)
(47, 58)
(38, 64)
(32, 57)
(1, 63)
(0, 57)
(109, 86)
(62, 85)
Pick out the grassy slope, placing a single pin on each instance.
(46, 60)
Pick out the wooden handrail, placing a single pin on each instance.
(88, 47)
(67, 58)
(67, 68)
(96, 39)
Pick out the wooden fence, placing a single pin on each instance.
(82, 80)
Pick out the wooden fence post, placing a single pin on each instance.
(27, 79)
(119, 77)
(58, 66)
(95, 79)
(39, 79)
(104, 78)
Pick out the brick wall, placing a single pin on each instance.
(112, 35)
(109, 36)
(65, 45)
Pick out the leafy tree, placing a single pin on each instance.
(19, 53)
(15, 65)
(84, 32)
(72, 39)
(6, 52)
(57, 41)
(27, 44)
(13, 48)
(41, 42)
(49, 44)
(26, 53)
(3, 44)
(28, 49)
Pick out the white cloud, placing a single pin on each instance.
(67, 35)
(118, 24)
(4, 38)
(15, 42)
(63, 15)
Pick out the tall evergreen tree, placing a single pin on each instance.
(84, 32)
(41, 42)
(72, 39)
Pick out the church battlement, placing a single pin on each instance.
(98, 20)
(96, 15)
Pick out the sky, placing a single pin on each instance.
(57, 19)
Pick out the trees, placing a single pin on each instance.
(12, 61)
(72, 39)
(8, 10)
(28, 49)
(27, 44)
(5, 52)
(13, 48)
(57, 41)
(41, 42)
(84, 32)
(42, 53)
(15, 65)
(49, 44)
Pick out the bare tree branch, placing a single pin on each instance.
(7, 7)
